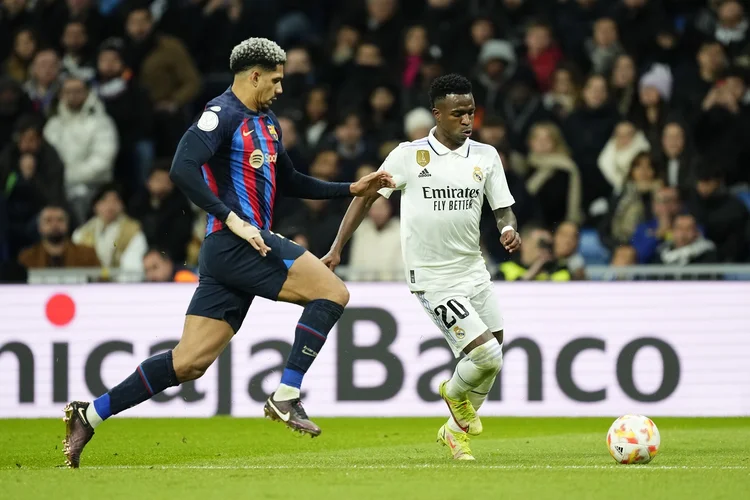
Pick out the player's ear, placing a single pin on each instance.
(436, 113)
(255, 77)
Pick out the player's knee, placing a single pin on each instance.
(339, 294)
(190, 368)
(488, 357)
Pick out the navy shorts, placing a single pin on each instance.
(232, 273)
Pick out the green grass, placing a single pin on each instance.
(391, 459)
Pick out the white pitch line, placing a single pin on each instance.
(418, 466)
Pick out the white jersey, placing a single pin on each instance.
(441, 205)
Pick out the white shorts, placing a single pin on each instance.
(463, 313)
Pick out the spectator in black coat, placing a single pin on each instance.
(724, 217)
(688, 246)
(130, 108)
(31, 177)
(587, 130)
(165, 214)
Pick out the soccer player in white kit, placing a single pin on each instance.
(444, 179)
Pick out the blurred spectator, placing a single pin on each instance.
(384, 114)
(639, 22)
(44, 81)
(118, 240)
(587, 130)
(348, 141)
(417, 124)
(53, 16)
(624, 255)
(622, 82)
(166, 70)
(31, 177)
(13, 104)
(654, 93)
(383, 24)
(316, 122)
(417, 96)
(604, 47)
(55, 248)
(495, 133)
(416, 45)
(687, 246)
(14, 16)
(376, 246)
(129, 106)
(448, 26)
(565, 93)
(616, 159)
(633, 205)
(677, 160)
(158, 267)
(565, 249)
(665, 206)
(573, 22)
(724, 217)
(317, 220)
(482, 30)
(535, 261)
(553, 177)
(696, 82)
(521, 108)
(721, 131)
(732, 26)
(77, 57)
(215, 27)
(293, 146)
(25, 45)
(362, 77)
(497, 66)
(299, 77)
(542, 54)
(164, 212)
(86, 139)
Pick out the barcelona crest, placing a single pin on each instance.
(272, 131)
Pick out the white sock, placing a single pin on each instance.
(285, 393)
(478, 395)
(453, 426)
(93, 417)
(474, 368)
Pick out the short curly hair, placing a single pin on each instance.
(256, 52)
(447, 85)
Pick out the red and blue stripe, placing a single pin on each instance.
(212, 223)
(268, 186)
(243, 175)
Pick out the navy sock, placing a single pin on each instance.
(312, 330)
(150, 378)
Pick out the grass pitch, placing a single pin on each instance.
(392, 459)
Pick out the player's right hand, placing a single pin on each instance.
(331, 259)
(247, 232)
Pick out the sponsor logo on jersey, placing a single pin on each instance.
(256, 158)
(450, 198)
(272, 131)
(459, 332)
(424, 173)
(478, 174)
(423, 157)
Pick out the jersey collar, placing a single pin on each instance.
(442, 150)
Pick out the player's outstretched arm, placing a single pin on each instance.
(508, 227)
(354, 216)
(297, 185)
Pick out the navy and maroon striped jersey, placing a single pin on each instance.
(242, 171)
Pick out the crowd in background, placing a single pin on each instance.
(626, 120)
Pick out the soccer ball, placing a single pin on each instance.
(633, 439)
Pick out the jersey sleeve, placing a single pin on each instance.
(496, 186)
(394, 165)
(214, 126)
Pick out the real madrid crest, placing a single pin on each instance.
(256, 158)
(423, 157)
(459, 332)
(272, 131)
(478, 174)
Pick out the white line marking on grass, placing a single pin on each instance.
(419, 466)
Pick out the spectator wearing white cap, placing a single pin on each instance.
(651, 113)
(417, 123)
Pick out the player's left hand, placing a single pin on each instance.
(511, 240)
(371, 183)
